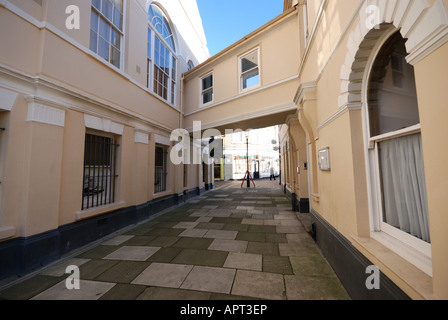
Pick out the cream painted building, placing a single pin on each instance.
(359, 87)
(89, 96)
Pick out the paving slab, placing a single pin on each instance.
(194, 233)
(210, 258)
(314, 288)
(60, 268)
(89, 290)
(132, 253)
(186, 225)
(221, 234)
(228, 245)
(218, 280)
(245, 261)
(117, 240)
(261, 285)
(123, 272)
(163, 275)
(158, 293)
(124, 292)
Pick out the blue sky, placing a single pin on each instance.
(227, 21)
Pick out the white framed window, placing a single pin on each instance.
(395, 155)
(161, 52)
(207, 83)
(106, 30)
(249, 70)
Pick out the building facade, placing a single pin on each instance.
(364, 145)
(358, 87)
(89, 96)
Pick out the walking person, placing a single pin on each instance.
(272, 172)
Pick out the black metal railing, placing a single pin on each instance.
(160, 180)
(100, 171)
(160, 170)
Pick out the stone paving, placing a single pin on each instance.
(229, 243)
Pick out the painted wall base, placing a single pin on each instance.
(298, 204)
(350, 265)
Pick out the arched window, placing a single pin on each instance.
(190, 65)
(160, 23)
(396, 144)
(162, 62)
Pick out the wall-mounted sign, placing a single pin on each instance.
(324, 159)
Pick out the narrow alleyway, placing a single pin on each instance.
(229, 243)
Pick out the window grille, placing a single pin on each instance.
(100, 171)
(160, 172)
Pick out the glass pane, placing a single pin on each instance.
(116, 39)
(115, 59)
(155, 85)
(97, 4)
(118, 19)
(103, 48)
(161, 25)
(93, 41)
(118, 5)
(104, 29)
(159, 157)
(207, 82)
(94, 21)
(149, 44)
(403, 185)
(156, 57)
(392, 94)
(167, 57)
(156, 51)
(165, 93)
(107, 8)
(190, 65)
(250, 79)
(207, 97)
(249, 61)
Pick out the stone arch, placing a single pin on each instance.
(424, 26)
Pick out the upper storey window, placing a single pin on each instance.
(106, 30)
(162, 61)
(207, 89)
(160, 23)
